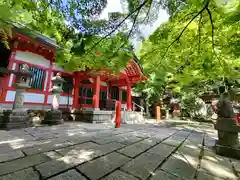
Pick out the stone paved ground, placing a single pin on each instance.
(77, 151)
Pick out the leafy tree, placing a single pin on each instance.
(197, 39)
(71, 24)
(198, 46)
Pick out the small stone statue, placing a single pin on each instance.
(25, 68)
(59, 74)
(224, 107)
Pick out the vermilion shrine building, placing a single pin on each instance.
(90, 90)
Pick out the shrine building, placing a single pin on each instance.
(91, 90)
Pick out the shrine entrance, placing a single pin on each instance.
(5, 55)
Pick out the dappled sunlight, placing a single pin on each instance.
(74, 146)
(217, 169)
(52, 154)
(180, 157)
(213, 157)
(195, 147)
(30, 144)
(77, 156)
(152, 173)
(181, 166)
(74, 132)
(178, 128)
(191, 160)
(12, 141)
(211, 132)
(62, 144)
(148, 141)
(217, 165)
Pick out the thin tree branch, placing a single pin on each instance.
(129, 15)
(199, 33)
(147, 15)
(179, 36)
(213, 42)
(177, 39)
(211, 21)
(129, 34)
(134, 22)
(48, 5)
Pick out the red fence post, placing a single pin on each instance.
(118, 114)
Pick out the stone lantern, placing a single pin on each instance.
(17, 117)
(55, 115)
(228, 140)
(22, 83)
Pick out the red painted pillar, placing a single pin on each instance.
(158, 112)
(129, 98)
(118, 114)
(97, 93)
(5, 80)
(50, 70)
(76, 91)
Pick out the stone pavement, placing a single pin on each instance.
(78, 151)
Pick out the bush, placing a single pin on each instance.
(193, 107)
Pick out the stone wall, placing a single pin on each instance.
(95, 116)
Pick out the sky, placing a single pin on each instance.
(147, 30)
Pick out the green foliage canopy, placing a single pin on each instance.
(196, 49)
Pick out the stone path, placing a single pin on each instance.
(78, 151)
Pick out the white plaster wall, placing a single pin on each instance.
(11, 76)
(51, 81)
(45, 81)
(63, 100)
(124, 106)
(32, 58)
(49, 99)
(28, 97)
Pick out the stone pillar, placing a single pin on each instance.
(17, 117)
(129, 98)
(55, 115)
(167, 113)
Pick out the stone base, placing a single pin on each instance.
(231, 152)
(14, 119)
(131, 117)
(1, 120)
(67, 114)
(229, 139)
(53, 118)
(95, 116)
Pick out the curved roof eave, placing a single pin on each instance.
(135, 58)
